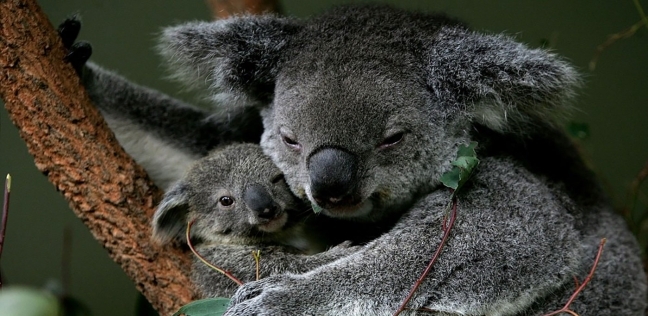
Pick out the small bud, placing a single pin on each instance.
(8, 183)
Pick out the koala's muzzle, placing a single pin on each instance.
(333, 177)
(259, 201)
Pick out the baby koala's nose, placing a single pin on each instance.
(259, 201)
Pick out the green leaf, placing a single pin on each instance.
(316, 208)
(25, 301)
(451, 178)
(206, 307)
(466, 163)
(462, 168)
(467, 151)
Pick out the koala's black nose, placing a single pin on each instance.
(258, 200)
(333, 177)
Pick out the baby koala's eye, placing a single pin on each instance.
(391, 140)
(226, 200)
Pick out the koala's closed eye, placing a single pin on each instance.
(278, 178)
(288, 139)
(392, 140)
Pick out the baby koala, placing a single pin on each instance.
(240, 203)
(235, 195)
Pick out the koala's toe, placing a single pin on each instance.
(246, 292)
(78, 55)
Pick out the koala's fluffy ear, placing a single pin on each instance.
(170, 218)
(236, 57)
(503, 84)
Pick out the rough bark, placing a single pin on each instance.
(73, 146)
(224, 8)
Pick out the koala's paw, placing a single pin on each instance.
(78, 53)
(276, 295)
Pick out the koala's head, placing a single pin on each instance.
(234, 193)
(364, 106)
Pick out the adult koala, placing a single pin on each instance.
(363, 109)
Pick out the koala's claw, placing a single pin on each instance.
(69, 30)
(78, 53)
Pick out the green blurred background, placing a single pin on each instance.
(122, 32)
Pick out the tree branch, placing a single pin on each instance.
(73, 146)
(224, 8)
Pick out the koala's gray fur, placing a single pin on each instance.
(363, 108)
(263, 215)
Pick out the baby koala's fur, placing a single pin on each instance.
(236, 197)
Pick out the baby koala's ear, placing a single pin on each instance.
(170, 218)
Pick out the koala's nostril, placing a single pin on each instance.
(269, 212)
(329, 199)
(335, 200)
(332, 201)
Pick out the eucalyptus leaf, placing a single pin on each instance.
(205, 307)
(451, 178)
(26, 301)
(467, 150)
(462, 168)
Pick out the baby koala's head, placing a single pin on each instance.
(233, 195)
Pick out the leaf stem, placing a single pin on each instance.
(226, 273)
(5, 215)
(565, 308)
(633, 192)
(641, 12)
(447, 226)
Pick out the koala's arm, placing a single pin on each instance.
(163, 134)
(515, 241)
(239, 261)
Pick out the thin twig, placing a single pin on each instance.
(5, 215)
(565, 308)
(226, 273)
(257, 260)
(447, 226)
(641, 12)
(613, 39)
(635, 185)
(66, 260)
